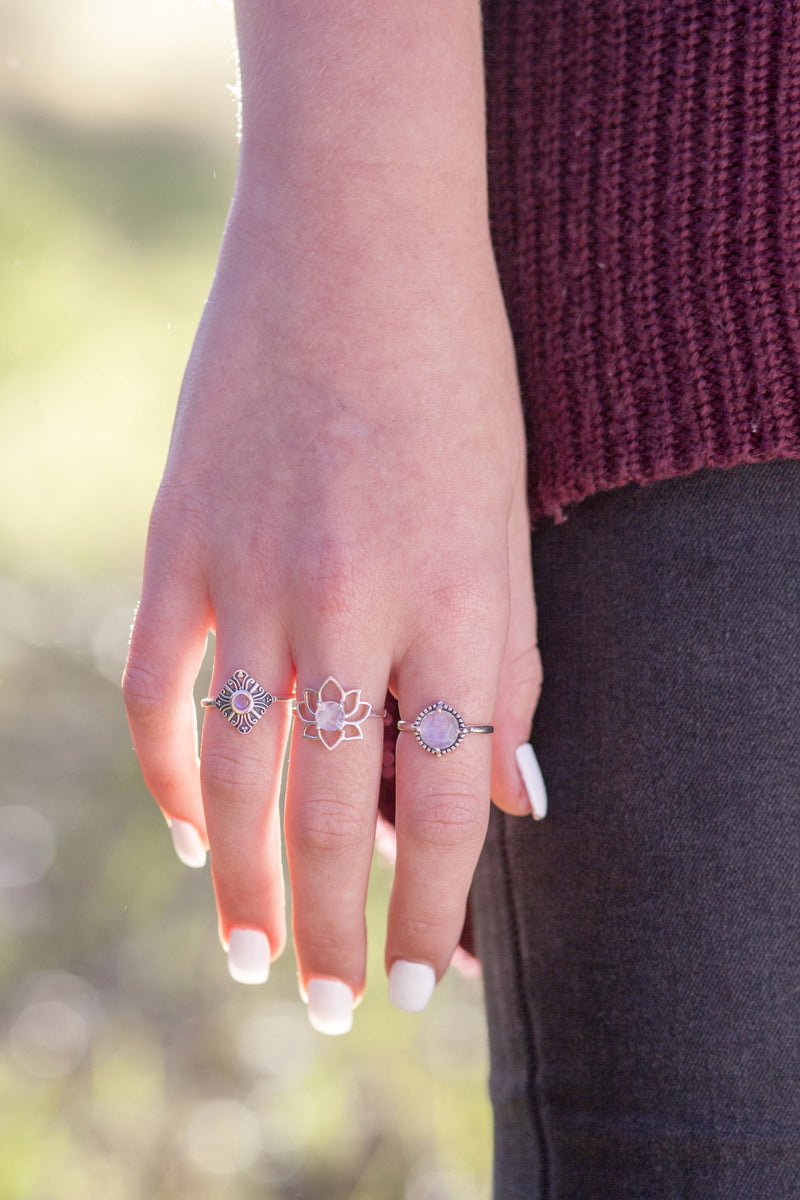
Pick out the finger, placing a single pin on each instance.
(331, 810)
(517, 785)
(442, 802)
(167, 647)
(241, 779)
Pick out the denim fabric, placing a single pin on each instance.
(641, 946)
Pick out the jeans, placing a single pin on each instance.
(641, 945)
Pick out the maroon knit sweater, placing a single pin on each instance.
(644, 164)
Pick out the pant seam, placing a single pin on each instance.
(526, 1014)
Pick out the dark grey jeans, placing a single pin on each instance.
(641, 946)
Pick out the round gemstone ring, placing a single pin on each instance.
(242, 701)
(439, 728)
(332, 715)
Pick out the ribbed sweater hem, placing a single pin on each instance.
(644, 183)
(556, 505)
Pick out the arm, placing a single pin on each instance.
(344, 493)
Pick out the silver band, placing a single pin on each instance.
(439, 728)
(243, 701)
(332, 715)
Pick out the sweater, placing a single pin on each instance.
(644, 187)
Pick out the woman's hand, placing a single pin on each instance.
(344, 496)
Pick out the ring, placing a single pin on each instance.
(242, 701)
(439, 728)
(331, 715)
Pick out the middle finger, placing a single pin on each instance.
(331, 806)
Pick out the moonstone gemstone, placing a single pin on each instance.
(241, 702)
(329, 715)
(439, 729)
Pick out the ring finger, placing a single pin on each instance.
(443, 762)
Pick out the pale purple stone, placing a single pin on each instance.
(329, 715)
(439, 729)
(241, 702)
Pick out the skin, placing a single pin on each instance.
(345, 488)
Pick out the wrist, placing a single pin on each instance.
(362, 121)
(379, 215)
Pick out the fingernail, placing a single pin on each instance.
(411, 985)
(330, 1006)
(532, 779)
(248, 956)
(188, 846)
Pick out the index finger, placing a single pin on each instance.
(167, 647)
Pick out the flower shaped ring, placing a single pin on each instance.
(332, 715)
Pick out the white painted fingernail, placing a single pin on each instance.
(411, 985)
(330, 1006)
(532, 779)
(248, 956)
(188, 846)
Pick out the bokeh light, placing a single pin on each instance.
(223, 1137)
(48, 1038)
(27, 846)
(131, 1066)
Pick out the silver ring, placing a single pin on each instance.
(332, 715)
(242, 701)
(439, 728)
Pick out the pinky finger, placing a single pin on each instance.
(517, 784)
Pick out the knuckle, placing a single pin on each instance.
(342, 570)
(239, 884)
(322, 940)
(326, 825)
(145, 693)
(526, 676)
(179, 530)
(427, 930)
(459, 597)
(463, 595)
(178, 507)
(224, 771)
(453, 817)
(162, 781)
(335, 583)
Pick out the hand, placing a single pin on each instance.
(345, 496)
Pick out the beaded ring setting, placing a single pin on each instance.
(439, 728)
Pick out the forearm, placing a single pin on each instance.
(362, 119)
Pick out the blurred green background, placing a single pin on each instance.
(131, 1066)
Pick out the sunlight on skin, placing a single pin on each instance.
(118, 157)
